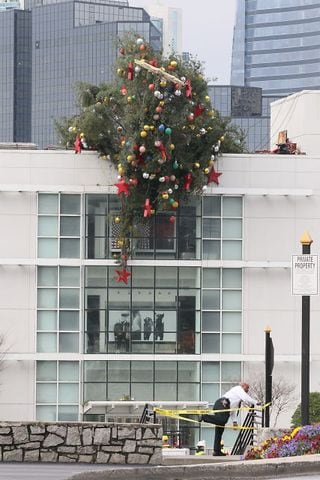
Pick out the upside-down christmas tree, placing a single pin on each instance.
(155, 123)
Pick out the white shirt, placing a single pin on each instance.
(236, 395)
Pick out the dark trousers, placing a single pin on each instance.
(219, 419)
(218, 432)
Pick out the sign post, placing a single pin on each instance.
(305, 282)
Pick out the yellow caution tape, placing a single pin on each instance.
(186, 411)
(177, 414)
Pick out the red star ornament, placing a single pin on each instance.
(123, 187)
(147, 208)
(214, 176)
(123, 275)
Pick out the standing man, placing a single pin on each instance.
(230, 401)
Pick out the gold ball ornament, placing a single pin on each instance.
(120, 243)
(206, 171)
(172, 146)
(175, 204)
(161, 103)
(173, 63)
(165, 195)
(119, 129)
(129, 99)
(211, 113)
(146, 128)
(207, 98)
(130, 158)
(117, 220)
(222, 138)
(81, 135)
(123, 142)
(119, 72)
(143, 134)
(196, 165)
(163, 83)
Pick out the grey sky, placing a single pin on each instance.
(207, 32)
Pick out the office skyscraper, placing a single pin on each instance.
(62, 43)
(169, 21)
(276, 45)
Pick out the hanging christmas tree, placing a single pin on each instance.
(155, 123)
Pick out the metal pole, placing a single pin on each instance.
(268, 375)
(305, 346)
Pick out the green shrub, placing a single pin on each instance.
(314, 411)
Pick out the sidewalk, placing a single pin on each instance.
(222, 470)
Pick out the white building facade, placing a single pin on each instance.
(298, 115)
(201, 292)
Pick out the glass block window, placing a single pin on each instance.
(221, 310)
(58, 309)
(222, 228)
(59, 225)
(57, 391)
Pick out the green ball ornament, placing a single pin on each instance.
(168, 131)
(175, 165)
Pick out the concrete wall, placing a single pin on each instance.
(81, 442)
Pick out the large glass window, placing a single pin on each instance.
(167, 235)
(160, 313)
(141, 380)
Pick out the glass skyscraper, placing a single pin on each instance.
(276, 45)
(60, 43)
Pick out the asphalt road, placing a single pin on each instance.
(44, 471)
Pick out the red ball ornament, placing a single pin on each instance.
(151, 87)
(172, 219)
(142, 48)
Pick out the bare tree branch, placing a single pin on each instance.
(283, 394)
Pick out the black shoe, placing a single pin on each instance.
(219, 454)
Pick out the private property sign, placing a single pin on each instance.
(304, 274)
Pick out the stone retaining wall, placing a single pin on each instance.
(114, 443)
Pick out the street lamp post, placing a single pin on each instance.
(305, 241)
